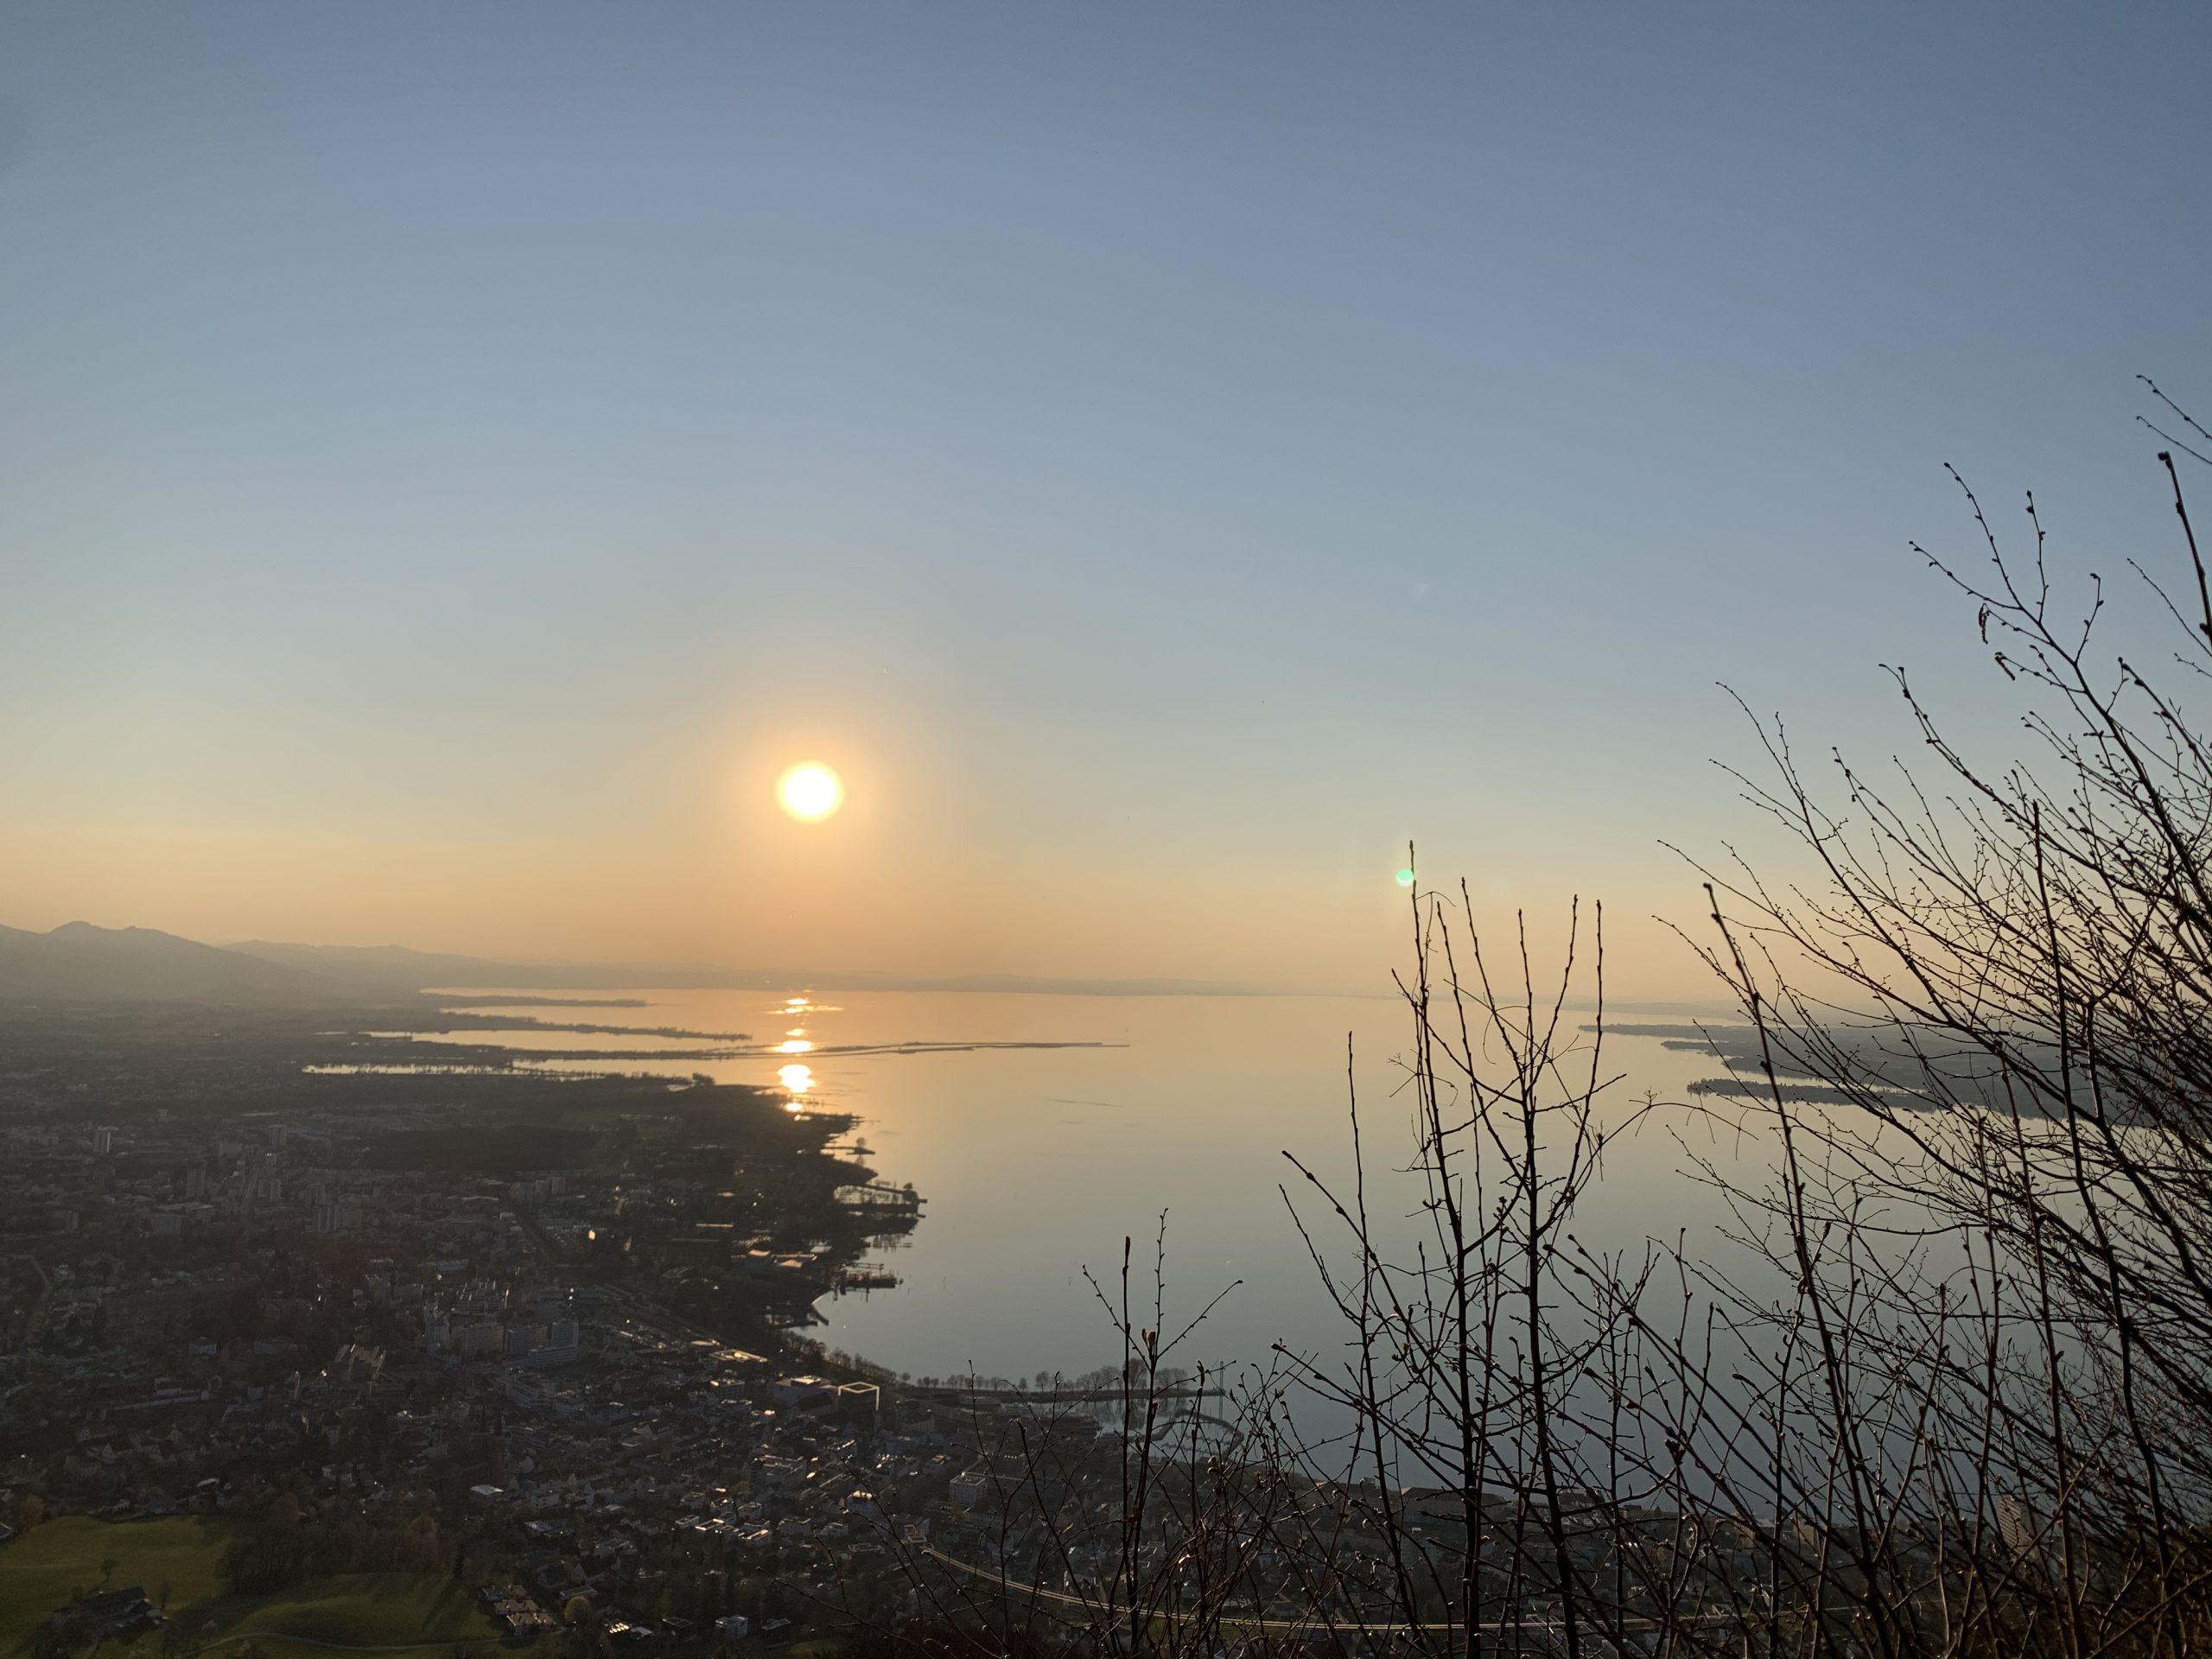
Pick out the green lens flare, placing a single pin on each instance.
(1405, 878)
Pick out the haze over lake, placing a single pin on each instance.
(1036, 1161)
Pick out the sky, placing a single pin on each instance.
(1166, 458)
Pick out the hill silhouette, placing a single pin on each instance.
(79, 963)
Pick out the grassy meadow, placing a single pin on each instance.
(48, 1566)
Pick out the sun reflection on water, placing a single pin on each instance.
(796, 1079)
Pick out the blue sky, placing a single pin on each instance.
(1167, 457)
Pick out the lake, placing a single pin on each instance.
(1035, 1160)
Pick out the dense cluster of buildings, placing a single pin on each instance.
(202, 1310)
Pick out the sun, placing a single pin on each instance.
(809, 791)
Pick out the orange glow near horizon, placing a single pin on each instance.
(780, 896)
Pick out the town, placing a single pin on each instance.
(525, 1331)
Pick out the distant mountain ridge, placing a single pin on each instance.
(79, 963)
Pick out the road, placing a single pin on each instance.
(1013, 1588)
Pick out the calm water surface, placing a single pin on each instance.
(1037, 1162)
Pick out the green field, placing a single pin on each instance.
(356, 1609)
(43, 1569)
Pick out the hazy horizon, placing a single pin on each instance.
(576, 975)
